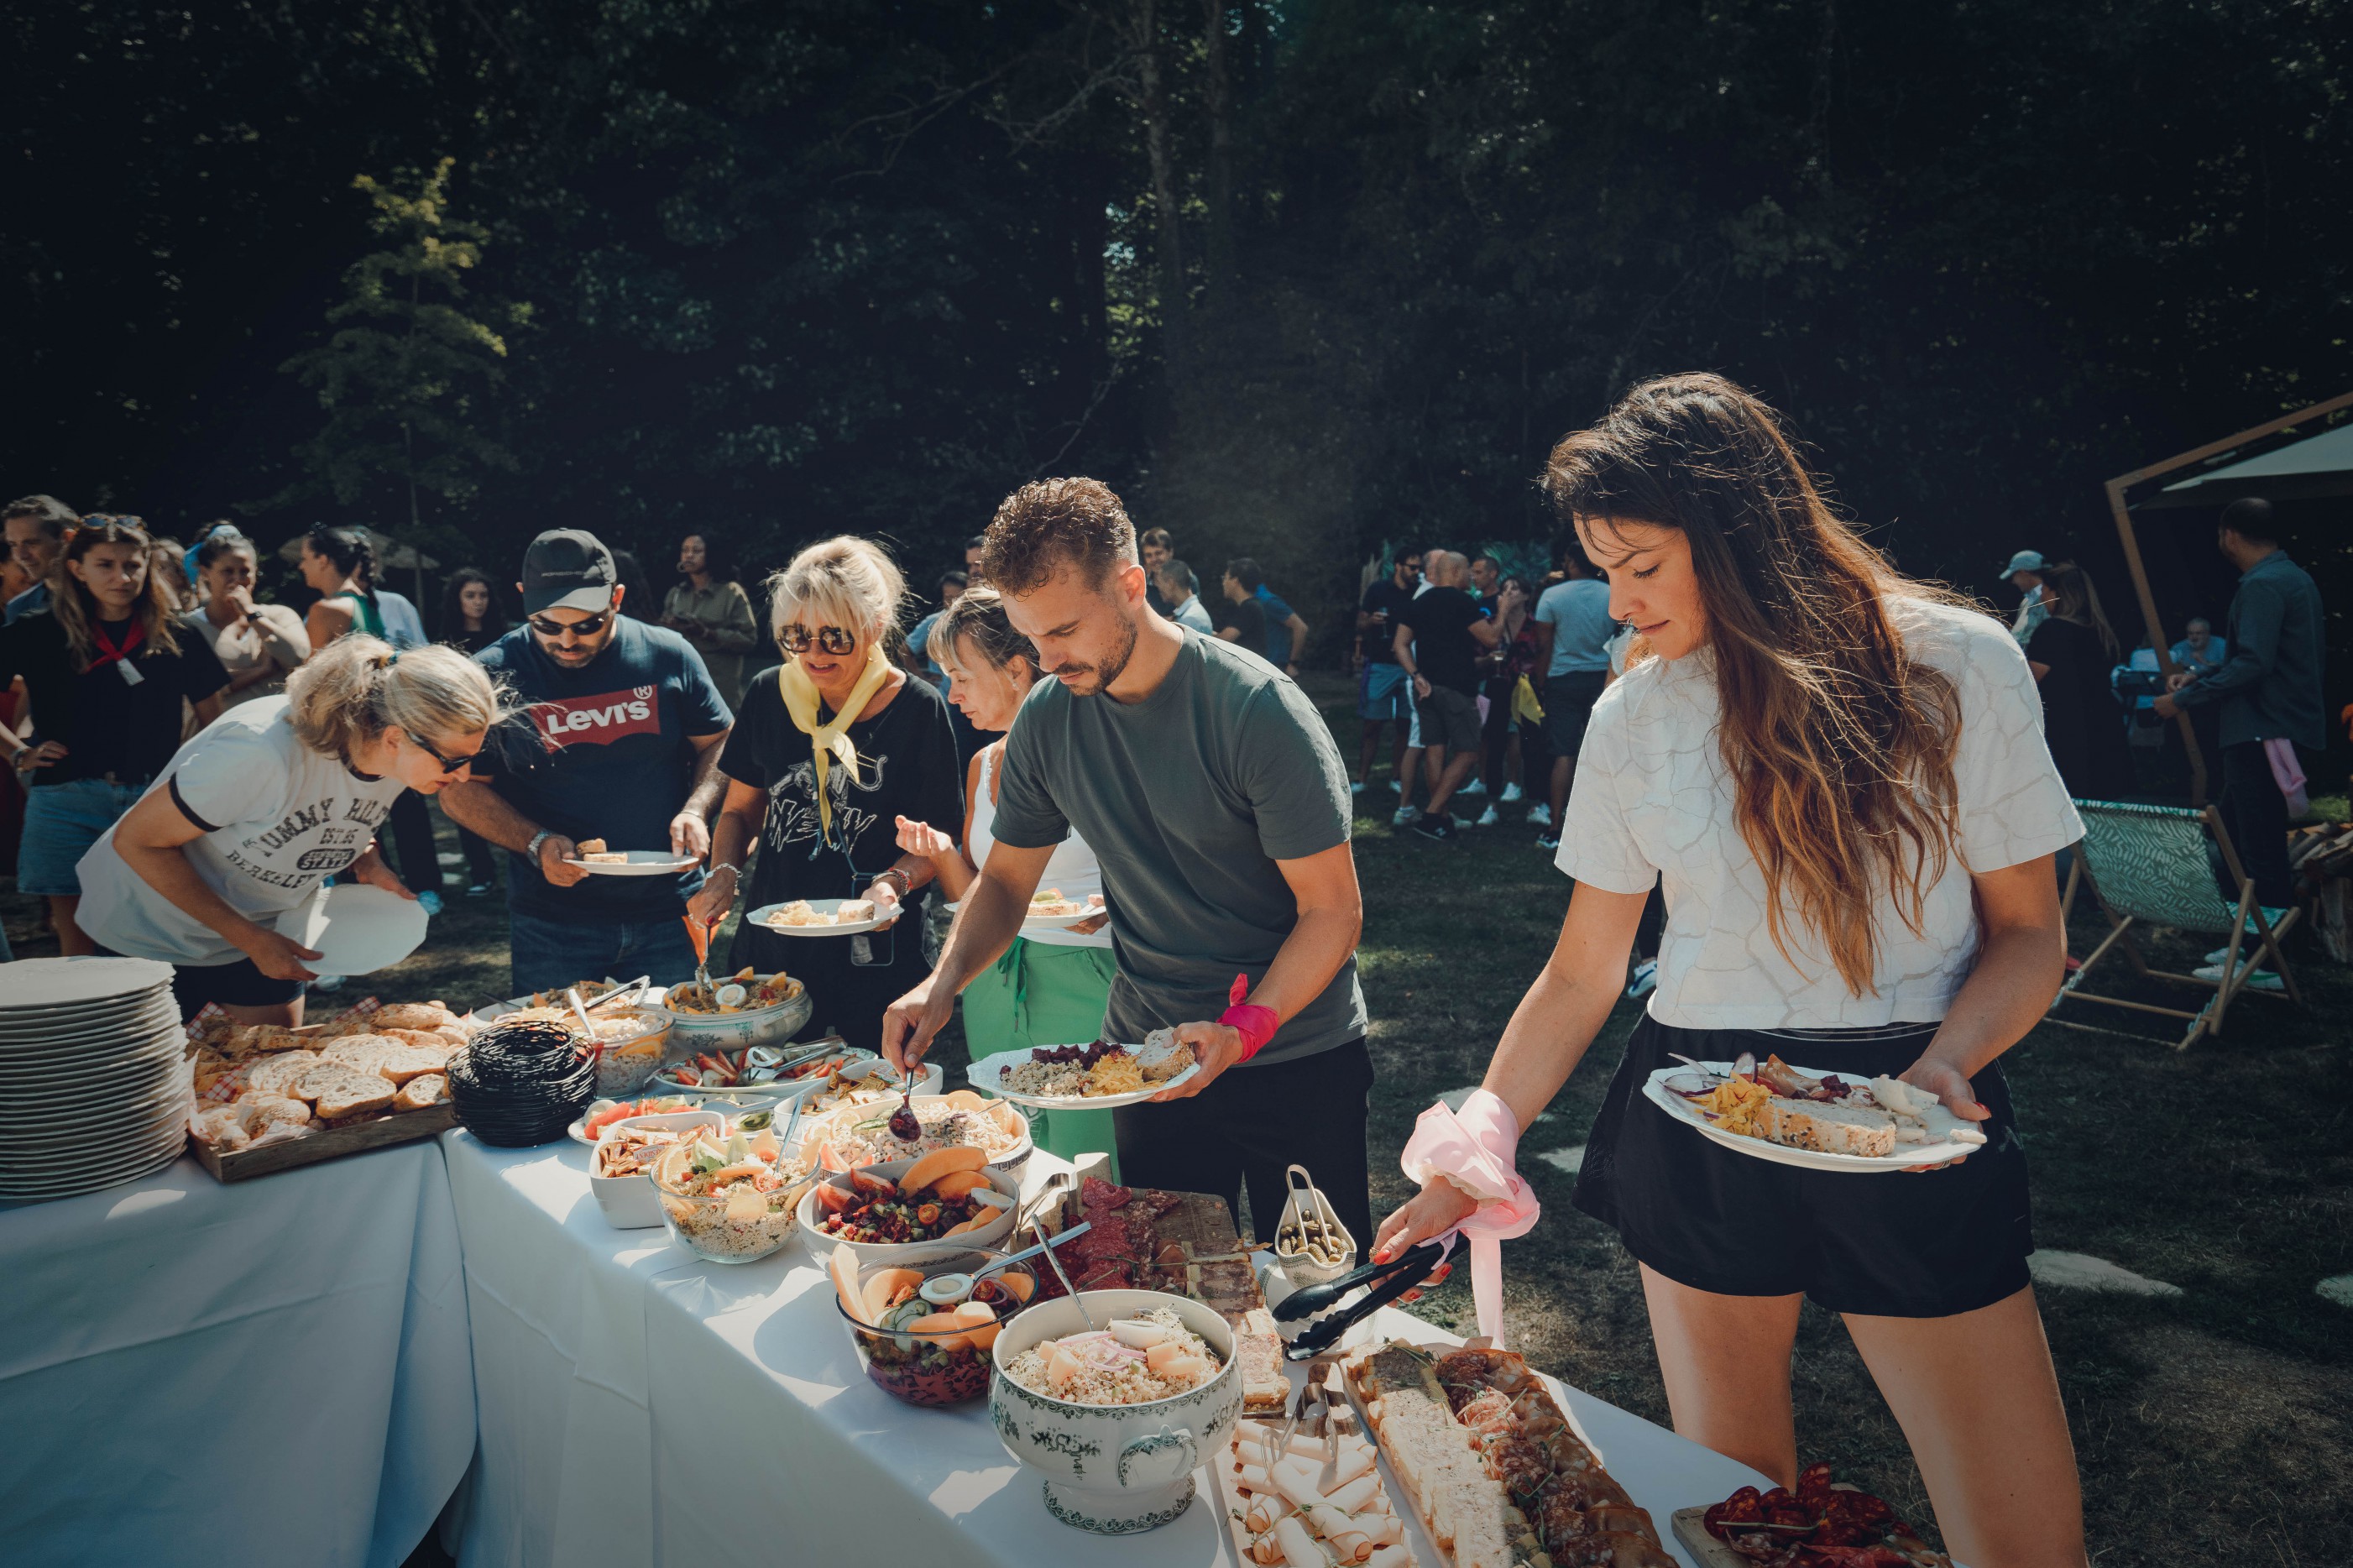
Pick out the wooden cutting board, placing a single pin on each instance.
(1196, 1252)
(329, 1143)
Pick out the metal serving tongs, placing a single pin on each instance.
(1388, 1281)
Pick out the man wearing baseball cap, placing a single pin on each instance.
(2024, 573)
(619, 741)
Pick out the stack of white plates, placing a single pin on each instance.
(94, 1082)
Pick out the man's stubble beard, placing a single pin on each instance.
(1112, 668)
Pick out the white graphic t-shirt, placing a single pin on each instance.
(277, 816)
(1652, 800)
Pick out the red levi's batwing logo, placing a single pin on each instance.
(599, 721)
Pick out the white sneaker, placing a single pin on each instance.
(1645, 979)
(1357, 787)
(1487, 818)
(328, 982)
(1511, 792)
(1540, 815)
(2262, 980)
(1403, 815)
(2219, 955)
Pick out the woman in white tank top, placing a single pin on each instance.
(1050, 987)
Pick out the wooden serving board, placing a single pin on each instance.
(1705, 1550)
(1203, 1258)
(329, 1143)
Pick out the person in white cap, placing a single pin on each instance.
(2025, 575)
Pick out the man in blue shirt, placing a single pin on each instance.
(919, 641)
(2268, 689)
(619, 741)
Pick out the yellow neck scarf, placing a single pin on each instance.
(830, 739)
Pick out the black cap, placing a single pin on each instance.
(567, 569)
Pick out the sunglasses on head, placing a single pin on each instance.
(587, 628)
(795, 638)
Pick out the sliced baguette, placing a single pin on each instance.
(400, 1062)
(412, 1016)
(1828, 1129)
(277, 1075)
(339, 1088)
(428, 1088)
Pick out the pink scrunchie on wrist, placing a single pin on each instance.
(1475, 1148)
(1256, 1025)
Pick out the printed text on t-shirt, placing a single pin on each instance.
(600, 720)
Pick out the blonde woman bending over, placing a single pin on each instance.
(268, 799)
(1840, 776)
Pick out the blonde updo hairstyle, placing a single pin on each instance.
(358, 686)
(847, 582)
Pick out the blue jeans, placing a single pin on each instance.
(61, 822)
(547, 955)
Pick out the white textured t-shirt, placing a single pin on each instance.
(278, 817)
(1652, 799)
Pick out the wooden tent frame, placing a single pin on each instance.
(2122, 512)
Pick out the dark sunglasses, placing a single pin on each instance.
(587, 628)
(447, 764)
(795, 638)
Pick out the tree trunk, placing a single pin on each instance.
(1156, 141)
(1219, 94)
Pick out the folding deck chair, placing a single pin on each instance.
(2154, 865)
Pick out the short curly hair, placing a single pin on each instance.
(1049, 522)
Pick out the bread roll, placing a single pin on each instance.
(427, 1089)
(412, 1016)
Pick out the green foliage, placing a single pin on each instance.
(407, 377)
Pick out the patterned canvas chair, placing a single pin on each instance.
(2154, 865)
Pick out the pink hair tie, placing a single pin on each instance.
(1256, 1025)
(1475, 1148)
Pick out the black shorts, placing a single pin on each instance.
(1893, 1245)
(1568, 702)
(237, 984)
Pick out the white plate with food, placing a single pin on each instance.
(1048, 911)
(819, 917)
(1817, 1121)
(602, 862)
(1095, 1077)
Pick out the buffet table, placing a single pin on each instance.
(275, 1371)
(640, 1405)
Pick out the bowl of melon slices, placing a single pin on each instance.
(890, 1212)
(923, 1326)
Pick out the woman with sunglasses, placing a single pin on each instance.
(832, 750)
(266, 800)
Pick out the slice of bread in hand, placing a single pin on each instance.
(338, 1088)
(587, 847)
(428, 1089)
(1828, 1129)
(400, 1062)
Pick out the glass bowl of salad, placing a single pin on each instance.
(924, 1327)
(731, 1200)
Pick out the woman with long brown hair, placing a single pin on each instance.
(107, 669)
(1840, 778)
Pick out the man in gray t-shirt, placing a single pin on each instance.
(1214, 796)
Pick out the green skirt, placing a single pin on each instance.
(1042, 995)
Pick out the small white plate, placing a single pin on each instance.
(358, 928)
(986, 1074)
(1906, 1157)
(1060, 922)
(759, 917)
(641, 863)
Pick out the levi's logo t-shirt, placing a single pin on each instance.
(603, 751)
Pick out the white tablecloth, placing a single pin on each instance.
(639, 1406)
(274, 1372)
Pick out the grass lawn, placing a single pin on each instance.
(2212, 1426)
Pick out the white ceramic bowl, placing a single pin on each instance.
(988, 1237)
(1114, 1469)
(630, 1202)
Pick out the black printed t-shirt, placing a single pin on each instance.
(603, 751)
(107, 724)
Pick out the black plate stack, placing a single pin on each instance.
(521, 1081)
